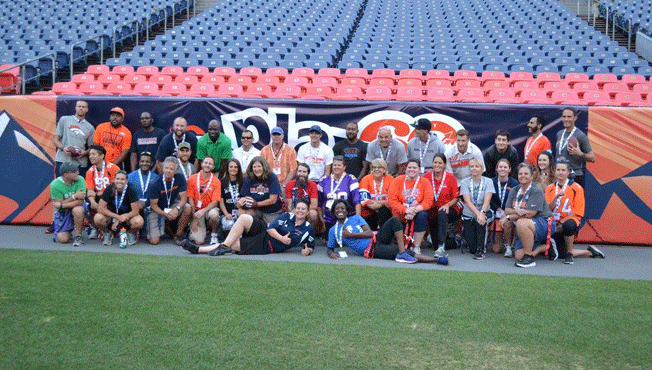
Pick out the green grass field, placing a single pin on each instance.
(63, 310)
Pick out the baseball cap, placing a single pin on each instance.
(315, 128)
(118, 110)
(422, 124)
(68, 167)
(277, 130)
(185, 144)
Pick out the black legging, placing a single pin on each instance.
(385, 248)
(439, 226)
(378, 218)
(568, 228)
(474, 234)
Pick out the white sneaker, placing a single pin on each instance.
(131, 238)
(509, 252)
(440, 252)
(417, 249)
(108, 239)
(92, 233)
(214, 238)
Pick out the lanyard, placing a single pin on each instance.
(335, 186)
(183, 171)
(233, 189)
(145, 185)
(338, 234)
(377, 191)
(479, 189)
(563, 192)
(502, 191)
(245, 157)
(423, 149)
(563, 143)
(389, 149)
(101, 181)
(524, 196)
(118, 203)
(416, 182)
(441, 185)
(277, 157)
(176, 146)
(201, 194)
(530, 144)
(165, 186)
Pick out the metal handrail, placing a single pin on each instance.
(72, 47)
(127, 23)
(22, 70)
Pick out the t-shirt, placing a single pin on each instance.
(531, 200)
(166, 193)
(169, 146)
(394, 154)
(142, 141)
(329, 190)
(230, 194)
(245, 157)
(576, 164)
(442, 193)
(209, 190)
(571, 202)
(141, 188)
(502, 190)
(316, 158)
(458, 163)
(130, 196)
(99, 180)
(355, 154)
(369, 190)
(281, 163)
(534, 147)
(411, 193)
(299, 234)
(477, 193)
(261, 190)
(59, 190)
(219, 150)
(186, 170)
(74, 133)
(353, 224)
(114, 140)
(295, 193)
(425, 152)
(492, 156)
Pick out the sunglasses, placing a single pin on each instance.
(247, 137)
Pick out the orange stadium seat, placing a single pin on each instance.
(230, 90)
(202, 89)
(188, 80)
(551, 86)
(161, 80)
(521, 85)
(329, 72)
(642, 88)
(324, 81)
(410, 82)
(534, 96)
(615, 87)
(174, 88)
(437, 82)
(565, 97)
(98, 70)
(410, 93)
(381, 81)
(173, 71)
(470, 95)
(502, 95)
(438, 74)
(384, 72)
(134, 79)
(378, 93)
(349, 93)
(226, 72)
(259, 91)
(520, 76)
(353, 81)
(287, 91)
(147, 71)
(492, 76)
(604, 78)
(410, 74)
(108, 79)
(325, 91)
(240, 80)
(627, 98)
(301, 81)
(118, 88)
(356, 72)
(496, 84)
(582, 87)
(65, 88)
(198, 71)
(79, 79)
(469, 84)
(597, 98)
(573, 78)
(88, 88)
(253, 72)
(281, 73)
(443, 94)
(122, 70)
(147, 88)
(633, 79)
(305, 72)
(213, 79)
(465, 75)
(545, 77)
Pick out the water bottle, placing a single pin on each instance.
(123, 238)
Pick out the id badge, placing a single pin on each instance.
(557, 216)
(329, 204)
(277, 171)
(199, 204)
(167, 210)
(234, 213)
(343, 254)
(423, 170)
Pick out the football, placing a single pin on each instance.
(74, 151)
(573, 142)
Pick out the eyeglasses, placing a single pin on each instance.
(377, 167)
(247, 137)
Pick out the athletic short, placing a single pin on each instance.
(64, 222)
(540, 235)
(270, 217)
(156, 224)
(200, 234)
(256, 240)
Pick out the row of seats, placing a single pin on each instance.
(631, 13)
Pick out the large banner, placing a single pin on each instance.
(616, 185)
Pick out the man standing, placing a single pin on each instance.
(302, 188)
(281, 157)
(459, 155)
(390, 150)
(147, 139)
(574, 145)
(214, 144)
(67, 194)
(114, 137)
(246, 152)
(317, 155)
(73, 136)
(501, 149)
(204, 195)
(170, 143)
(537, 142)
(424, 145)
(355, 152)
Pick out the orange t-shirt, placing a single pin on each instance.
(281, 163)
(534, 147)
(572, 202)
(400, 191)
(368, 191)
(209, 193)
(95, 180)
(114, 140)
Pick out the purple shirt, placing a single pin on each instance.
(329, 190)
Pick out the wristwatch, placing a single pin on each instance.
(178, 208)
(507, 217)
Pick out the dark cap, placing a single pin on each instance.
(422, 124)
(68, 167)
(315, 128)
(184, 144)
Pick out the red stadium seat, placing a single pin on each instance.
(582, 87)
(410, 82)
(469, 84)
(408, 93)
(98, 70)
(632, 80)
(643, 89)
(324, 81)
(313, 97)
(383, 72)
(301, 81)
(231, 90)
(551, 86)
(381, 81)
(493, 76)
(259, 91)
(470, 95)
(519, 86)
(353, 81)
(603, 78)
(411, 74)
(629, 98)
(496, 84)
(573, 78)
(305, 72)
(569, 97)
(108, 79)
(465, 75)
(65, 88)
(268, 80)
(187, 80)
(198, 71)
(287, 91)
(534, 96)
(444, 94)
(118, 88)
(615, 87)
(134, 79)
(122, 70)
(438, 82)
(378, 93)
(173, 71)
(161, 80)
(325, 91)
(502, 95)
(88, 88)
(520, 76)
(545, 77)
(253, 72)
(86, 77)
(147, 88)
(10, 79)
(281, 73)
(356, 72)
(438, 74)
(329, 72)
(147, 71)
(213, 79)
(349, 93)
(597, 98)
(202, 89)
(241, 80)
(226, 72)
(174, 88)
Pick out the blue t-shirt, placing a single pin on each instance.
(260, 190)
(167, 199)
(134, 182)
(168, 149)
(353, 224)
(142, 141)
(300, 234)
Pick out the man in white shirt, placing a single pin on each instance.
(246, 152)
(424, 145)
(317, 155)
(391, 150)
(459, 155)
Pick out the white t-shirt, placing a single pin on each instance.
(316, 158)
(394, 154)
(245, 157)
(458, 163)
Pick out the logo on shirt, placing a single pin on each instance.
(259, 189)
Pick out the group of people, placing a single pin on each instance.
(380, 200)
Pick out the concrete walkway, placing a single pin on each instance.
(629, 263)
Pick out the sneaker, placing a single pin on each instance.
(78, 241)
(553, 254)
(417, 249)
(221, 250)
(190, 246)
(50, 229)
(526, 261)
(92, 233)
(131, 238)
(509, 251)
(569, 259)
(478, 255)
(441, 251)
(595, 252)
(214, 238)
(405, 258)
(108, 239)
(178, 240)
